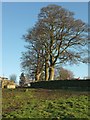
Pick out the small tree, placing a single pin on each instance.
(22, 79)
(13, 78)
(64, 74)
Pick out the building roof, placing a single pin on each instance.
(1, 78)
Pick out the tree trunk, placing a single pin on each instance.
(37, 77)
(46, 71)
(51, 73)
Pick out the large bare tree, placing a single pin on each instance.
(32, 61)
(67, 36)
(59, 38)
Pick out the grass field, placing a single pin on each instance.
(43, 103)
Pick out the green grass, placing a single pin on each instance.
(41, 103)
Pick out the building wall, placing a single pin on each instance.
(11, 86)
(5, 83)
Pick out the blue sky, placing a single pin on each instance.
(17, 18)
(0, 39)
(45, 0)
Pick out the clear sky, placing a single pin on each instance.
(0, 38)
(45, 0)
(17, 18)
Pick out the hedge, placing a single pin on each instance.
(57, 84)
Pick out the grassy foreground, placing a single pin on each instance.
(43, 103)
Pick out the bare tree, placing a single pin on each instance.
(57, 38)
(67, 36)
(32, 59)
(64, 74)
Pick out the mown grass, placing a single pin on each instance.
(43, 103)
